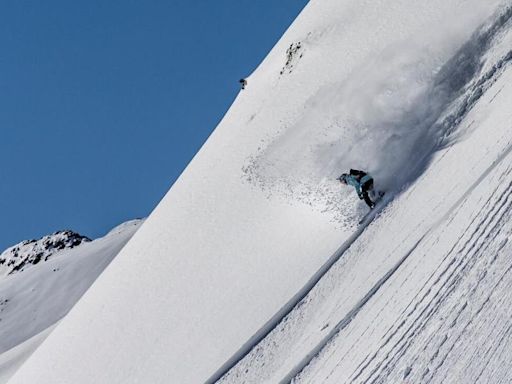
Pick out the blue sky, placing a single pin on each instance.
(103, 103)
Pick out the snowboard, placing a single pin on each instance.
(379, 203)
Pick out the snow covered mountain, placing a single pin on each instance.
(51, 275)
(30, 252)
(253, 268)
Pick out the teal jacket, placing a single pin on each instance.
(357, 184)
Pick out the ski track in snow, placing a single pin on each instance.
(441, 284)
(348, 318)
(469, 256)
(296, 300)
(378, 367)
(479, 244)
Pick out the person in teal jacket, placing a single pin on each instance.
(362, 182)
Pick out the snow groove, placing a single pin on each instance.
(471, 247)
(461, 72)
(484, 225)
(457, 88)
(294, 302)
(348, 318)
(485, 233)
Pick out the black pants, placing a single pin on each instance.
(365, 188)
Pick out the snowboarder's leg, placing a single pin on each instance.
(375, 195)
(365, 188)
(367, 200)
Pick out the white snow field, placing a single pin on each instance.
(13, 359)
(253, 268)
(34, 300)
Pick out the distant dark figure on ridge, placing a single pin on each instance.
(243, 83)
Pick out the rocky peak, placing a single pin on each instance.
(30, 252)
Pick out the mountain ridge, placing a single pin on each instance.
(27, 253)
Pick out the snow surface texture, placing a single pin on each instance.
(253, 269)
(33, 300)
(433, 304)
(13, 359)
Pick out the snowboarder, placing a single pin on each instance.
(243, 83)
(362, 182)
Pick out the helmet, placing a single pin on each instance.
(342, 178)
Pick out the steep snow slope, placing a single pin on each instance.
(34, 299)
(13, 359)
(256, 214)
(428, 301)
(438, 307)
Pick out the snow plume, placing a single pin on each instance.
(388, 116)
(403, 106)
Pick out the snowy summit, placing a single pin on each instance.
(46, 278)
(30, 252)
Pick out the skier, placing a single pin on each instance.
(243, 83)
(362, 182)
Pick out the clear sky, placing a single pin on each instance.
(103, 103)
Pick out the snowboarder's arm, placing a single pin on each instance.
(359, 191)
(351, 180)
